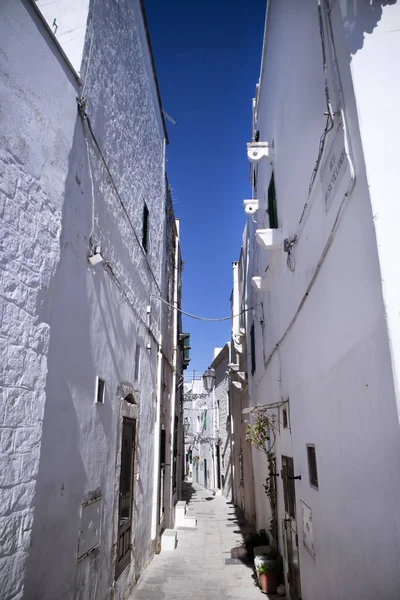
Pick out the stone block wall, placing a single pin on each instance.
(29, 252)
(34, 145)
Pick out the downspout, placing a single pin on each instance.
(174, 365)
(236, 336)
(214, 440)
(156, 463)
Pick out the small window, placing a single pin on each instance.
(272, 212)
(137, 362)
(312, 465)
(253, 349)
(145, 228)
(284, 418)
(100, 387)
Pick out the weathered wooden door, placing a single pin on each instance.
(126, 489)
(290, 528)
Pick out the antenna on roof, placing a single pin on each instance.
(170, 119)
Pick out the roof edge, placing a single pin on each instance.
(153, 67)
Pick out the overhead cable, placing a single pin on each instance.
(205, 318)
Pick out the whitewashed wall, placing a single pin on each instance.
(222, 419)
(65, 322)
(335, 364)
(68, 22)
(34, 169)
(198, 439)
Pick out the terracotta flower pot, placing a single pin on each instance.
(268, 582)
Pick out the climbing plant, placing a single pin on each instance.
(261, 434)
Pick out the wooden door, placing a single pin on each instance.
(290, 528)
(126, 488)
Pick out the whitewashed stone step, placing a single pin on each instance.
(169, 540)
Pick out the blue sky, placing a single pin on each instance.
(207, 56)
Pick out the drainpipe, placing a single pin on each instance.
(236, 337)
(156, 463)
(174, 365)
(214, 440)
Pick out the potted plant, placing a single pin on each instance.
(255, 540)
(268, 567)
(261, 434)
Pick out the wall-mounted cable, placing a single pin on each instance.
(86, 119)
(347, 194)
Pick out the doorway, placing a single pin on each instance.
(126, 488)
(290, 528)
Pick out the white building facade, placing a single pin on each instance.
(321, 281)
(89, 245)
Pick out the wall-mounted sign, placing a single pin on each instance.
(334, 169)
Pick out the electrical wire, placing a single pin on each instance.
(113, 275)
(91, 182)
(321, 146)
(347, 194)
(85, 117)
(204, 318)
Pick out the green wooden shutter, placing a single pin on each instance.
(145, 228)
(272, 212)
(253, 349)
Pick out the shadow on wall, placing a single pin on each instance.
(237, 521)
(74, 453)
(61, 477)
(360, 18)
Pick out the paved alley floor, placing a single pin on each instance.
(208, 563)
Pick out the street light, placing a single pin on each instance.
(209, 379)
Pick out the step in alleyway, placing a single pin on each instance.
(209, 562)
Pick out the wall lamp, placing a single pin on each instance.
(209, 379)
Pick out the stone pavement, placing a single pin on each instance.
(209, 562)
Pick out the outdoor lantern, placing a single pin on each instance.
(209, 379)
(186, 426)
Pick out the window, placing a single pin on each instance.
(100, 387)
(312, 465)
(288, 486)
(272, 212)
(284, 418)
(137, 362)
(125, 508)
(145, 228)
(253, 349)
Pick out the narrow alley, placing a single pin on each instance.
(208, 562)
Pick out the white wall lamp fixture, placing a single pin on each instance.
(209, 379)
(259, 283)
(251, 206)
(95, 256)
(271, 239)
(258, 150)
